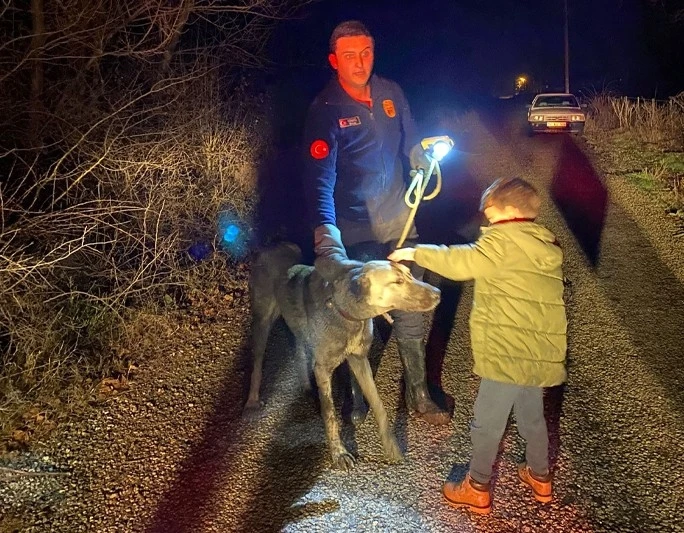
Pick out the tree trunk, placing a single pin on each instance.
(186, 8)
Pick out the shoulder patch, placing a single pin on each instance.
(388, 106)
(319, 149)
(350, 121)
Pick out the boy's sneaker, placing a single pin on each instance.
(540, 485)
(469, 494)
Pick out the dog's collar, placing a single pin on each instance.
(330, 303)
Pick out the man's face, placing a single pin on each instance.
(353, 60)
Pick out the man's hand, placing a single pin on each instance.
(331, 260)
(402, 254)
(328, 242)
(419, 159)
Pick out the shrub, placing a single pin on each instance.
(137, 135)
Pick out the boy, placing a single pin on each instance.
(517, 329)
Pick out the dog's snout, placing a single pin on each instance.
(434, 295)
(426, 297)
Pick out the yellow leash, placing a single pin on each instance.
(436, 148)
(416, 194)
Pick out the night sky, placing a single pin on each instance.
(479, 47)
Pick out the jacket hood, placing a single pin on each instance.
(533, 240)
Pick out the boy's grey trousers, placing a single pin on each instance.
(492, 407)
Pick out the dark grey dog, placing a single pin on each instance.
(329, 308)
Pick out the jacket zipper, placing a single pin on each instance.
(383, 176)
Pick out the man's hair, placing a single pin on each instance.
(348, 28)
(514, 192)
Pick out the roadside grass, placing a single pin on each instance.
(643, 141)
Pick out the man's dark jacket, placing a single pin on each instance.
(354, 176)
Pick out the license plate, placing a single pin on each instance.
(556, 124)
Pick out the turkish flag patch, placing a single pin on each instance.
(350, 121)
(319, 149)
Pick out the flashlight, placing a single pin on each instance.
(437, 147)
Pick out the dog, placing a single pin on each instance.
(329, 308)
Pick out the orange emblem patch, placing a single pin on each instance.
(388, 106)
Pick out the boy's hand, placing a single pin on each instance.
(402, 254)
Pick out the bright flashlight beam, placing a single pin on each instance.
(440, 149)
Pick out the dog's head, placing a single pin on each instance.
(382, 286)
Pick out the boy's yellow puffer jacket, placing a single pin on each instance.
(518, 323)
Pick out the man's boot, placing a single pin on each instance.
(412, 353)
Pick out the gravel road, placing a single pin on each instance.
(170, 454)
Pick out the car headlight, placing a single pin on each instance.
(577, 118)
(536, 118)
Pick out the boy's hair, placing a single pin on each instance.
(348, 28)
(514, 192)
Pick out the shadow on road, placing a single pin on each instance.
(453, 217)
(286, 473)
(649, 299)
(581, 198)
(190, 497)
(553, 412)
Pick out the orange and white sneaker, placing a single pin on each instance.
(469, 494)
(540, 485)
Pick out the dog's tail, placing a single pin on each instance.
(269, 269)
(273, 263)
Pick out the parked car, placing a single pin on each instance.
(555, 112)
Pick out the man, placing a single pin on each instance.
(357, 130)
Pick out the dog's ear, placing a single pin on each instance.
(334, 267)
(359, 285)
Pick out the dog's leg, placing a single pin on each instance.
(362, 370)
(261, 327)
(303, 357)
(359, 407)
(340, 456)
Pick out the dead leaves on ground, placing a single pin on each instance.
(111, 386)
(215, 303)
(34, 422)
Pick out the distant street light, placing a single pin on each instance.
(520, 83)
